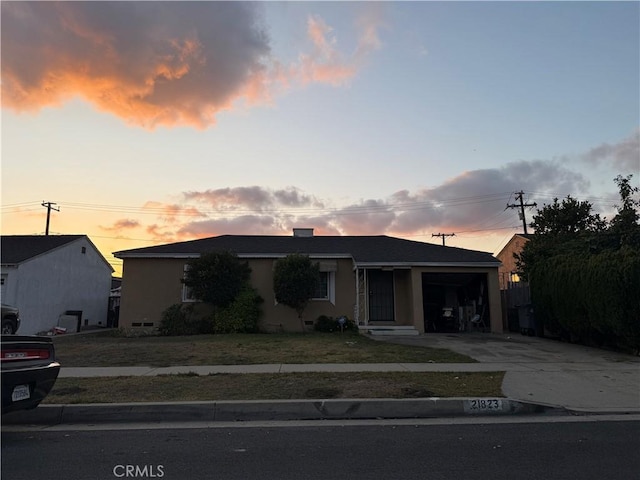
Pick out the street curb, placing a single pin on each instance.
(259, 410)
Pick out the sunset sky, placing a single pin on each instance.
(155, 122)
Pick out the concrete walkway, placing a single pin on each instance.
(70, 372)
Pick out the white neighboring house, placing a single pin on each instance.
(54, 280)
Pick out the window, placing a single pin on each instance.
(187, 292)
(325, 289)
(322, 289)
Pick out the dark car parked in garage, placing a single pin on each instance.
(29, 370)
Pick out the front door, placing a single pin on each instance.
(381, 305)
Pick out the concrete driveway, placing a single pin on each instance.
(547, 371)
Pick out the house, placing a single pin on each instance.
(507, 271)
(114, 302)
(515, 294)
(383, 283)
(55, 280)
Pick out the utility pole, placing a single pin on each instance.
(519, 196)
(443, 235)
(50, 207)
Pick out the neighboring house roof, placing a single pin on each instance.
(16, 249)
(527, 236)
(365, 250)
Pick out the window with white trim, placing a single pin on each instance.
(322, 288)
(325, 290)
(187, 292)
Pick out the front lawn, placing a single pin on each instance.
(111, 349)
(251, 386)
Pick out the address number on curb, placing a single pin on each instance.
(478, 405)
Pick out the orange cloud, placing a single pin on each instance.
(171, 213)
(158, 63)
(123, 224)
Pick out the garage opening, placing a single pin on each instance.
(455, 302)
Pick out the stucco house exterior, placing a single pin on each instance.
(54, 280)
(382, 283)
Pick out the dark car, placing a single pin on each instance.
(10, 319)
(29, 370)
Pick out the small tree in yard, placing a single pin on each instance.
(295, 279)
(217, 278)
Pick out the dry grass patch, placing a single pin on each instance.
(191, 387)
(107, 349)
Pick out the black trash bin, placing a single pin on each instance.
(526, 320)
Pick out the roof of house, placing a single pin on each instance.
(525, 236)
(15, 249)
(365, 250)
(18, 248)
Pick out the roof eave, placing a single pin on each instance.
(123, 255)
(426, 264)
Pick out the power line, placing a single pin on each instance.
(193, 210)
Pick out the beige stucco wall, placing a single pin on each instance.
(280, 317)
(403, 297)
(150, 286)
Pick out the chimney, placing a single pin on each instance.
(303, 232)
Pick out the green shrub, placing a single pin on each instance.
(330, 324)
(217, 278)
(241, 316)
(590, 298)
(180, 319)
(325, 324)
(295, 279)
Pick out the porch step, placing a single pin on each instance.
(389, 330)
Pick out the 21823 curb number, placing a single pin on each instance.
(483, 405)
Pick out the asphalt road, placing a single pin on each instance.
(585, 450)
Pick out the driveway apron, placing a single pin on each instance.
(548, 371)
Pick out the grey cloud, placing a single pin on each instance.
(471, 199)
(474, 200)
(254, 198)
(242, 225)
(624, 156)
(292, 197)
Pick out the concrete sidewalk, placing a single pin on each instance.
(79, 372)
(277, 368)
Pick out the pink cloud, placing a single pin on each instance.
(156, 63)
(123, 224)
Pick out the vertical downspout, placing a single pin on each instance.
(366, 296)
(357, 307)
